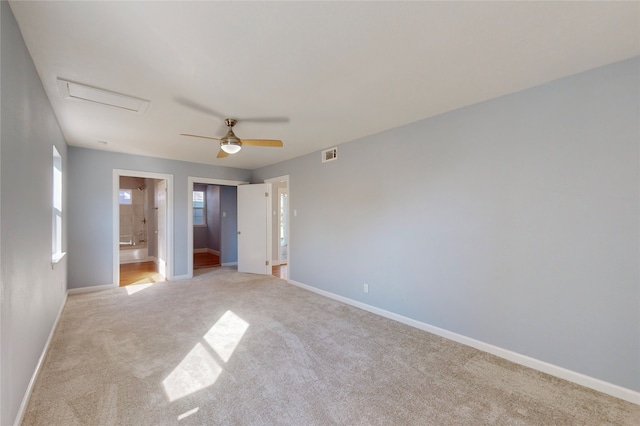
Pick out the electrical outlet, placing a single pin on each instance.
(366, 288)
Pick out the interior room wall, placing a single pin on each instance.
(513, 222)
(213, 217)
(90, 208)
(33, 292)
(131, 182)
(229, 224)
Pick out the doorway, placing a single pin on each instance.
(206, 225)
(229, 227)
(211, 222)
(142, 223)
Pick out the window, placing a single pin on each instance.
(56, 217)
(125, 196)
(199, 209)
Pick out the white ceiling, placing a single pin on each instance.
(336, 70)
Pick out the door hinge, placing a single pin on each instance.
(266, 262)
(266, 194)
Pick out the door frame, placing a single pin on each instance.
(286, 179)
(117, 173)
(208, 181)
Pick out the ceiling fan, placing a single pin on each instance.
(231, 144)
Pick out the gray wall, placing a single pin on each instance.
(213, 217)
(32, 292)
(91, 213)
(229, 224)
(513, 221)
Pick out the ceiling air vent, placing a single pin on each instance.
(77, 91)
(329, 154)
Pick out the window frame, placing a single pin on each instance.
(130, 192)
(57, 223)
(203, 209)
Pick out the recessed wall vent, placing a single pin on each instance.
(77, 91)
(329, 154)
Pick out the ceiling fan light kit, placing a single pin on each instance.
(230, 142)
(230, 147)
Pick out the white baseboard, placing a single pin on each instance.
(206, 250)
(146, 259)
(27, 394)
(92, 288)
(127, 262)
(545, 367)
(230, 264)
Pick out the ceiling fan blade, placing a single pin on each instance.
(197, 107)
(265, 119)
(262, 142)
(222, 154)
(198, 136)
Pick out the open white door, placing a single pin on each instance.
(254, 228)
(161, 204)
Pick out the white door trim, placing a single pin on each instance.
(190, 181)
(116, 218)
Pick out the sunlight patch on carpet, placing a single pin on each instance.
(195, 372)
(199, 369)
(188, 413)
(134, 288)
(225, 334)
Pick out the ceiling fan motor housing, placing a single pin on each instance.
(230, 143)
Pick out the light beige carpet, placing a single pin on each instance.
(226, 348)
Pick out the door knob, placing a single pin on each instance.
(238, 232)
